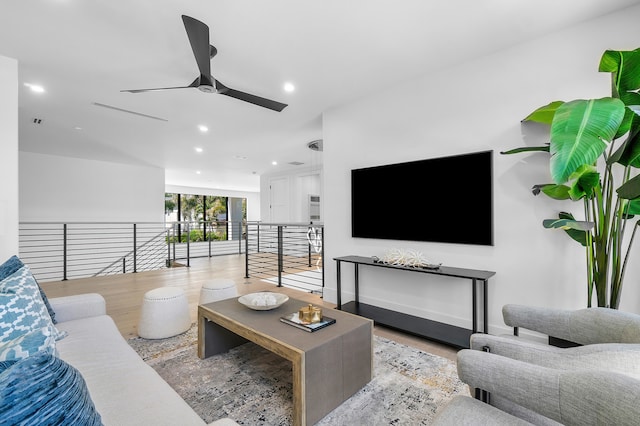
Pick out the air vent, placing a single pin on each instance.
(296, 163)
(37, 121)
(129, 112)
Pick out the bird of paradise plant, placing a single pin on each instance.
(594, 142)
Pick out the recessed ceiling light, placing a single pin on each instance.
(77, 128)
(198, 149)
(203, 129)
(35, 88)
(289, 87)
(197, 172)
(275, 163)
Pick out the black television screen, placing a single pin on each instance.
(446, 199)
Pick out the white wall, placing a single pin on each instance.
(300, 184)
(253, 198)
(9, 157)
(54, 188)
(474, 107)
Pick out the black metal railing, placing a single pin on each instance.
(284, 254)
(189, 240)
(60, 250)
(287, 254)
(65, 250)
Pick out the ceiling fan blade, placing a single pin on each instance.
(157, 89)
(198, 33)
(256, 100)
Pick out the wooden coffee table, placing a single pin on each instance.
(329, 365)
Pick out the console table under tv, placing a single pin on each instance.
(444, 333)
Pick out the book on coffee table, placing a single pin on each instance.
(294, 320)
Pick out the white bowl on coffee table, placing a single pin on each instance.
(263, 300)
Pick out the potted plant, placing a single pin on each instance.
(594, 158)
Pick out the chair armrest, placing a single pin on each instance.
(224, 422)
(580, 397)
(69, 308)
(467, 411)
(623, 358)
(584, 326)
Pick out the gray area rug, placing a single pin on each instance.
(253, 386)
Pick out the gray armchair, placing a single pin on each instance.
(607, 340)
(583, 326)
(555, 396)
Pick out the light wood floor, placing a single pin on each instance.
(124, 293)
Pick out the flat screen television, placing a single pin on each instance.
(445, 200)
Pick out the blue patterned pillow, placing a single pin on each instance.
(28, 344)
(12, 265)
(44, 390)
(23, 309)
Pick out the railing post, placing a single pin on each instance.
(205, 235)
(64, 252)
(174, 240)
(258, 237)
(124, 265)
(168, 263)
(280, 255)
(322, 253)
(246, 253)
(188, 247)
(135, 248)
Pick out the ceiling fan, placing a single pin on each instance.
(198, 34)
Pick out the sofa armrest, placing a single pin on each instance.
(86, 305)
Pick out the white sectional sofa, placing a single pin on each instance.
(124, 389)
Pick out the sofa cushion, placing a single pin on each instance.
(13, 264)
(23, 309)
(43, 389)
(124, 388)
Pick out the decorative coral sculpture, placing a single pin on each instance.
(405, 258)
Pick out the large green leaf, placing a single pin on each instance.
(575, 234)
(580, 132)
(624, 67)
(585, 180)
(567, 224)
(526, 149)
(629, 152)
(557, 192)
(545, 113)
(634, 208)
(630, 190)
(577, 230)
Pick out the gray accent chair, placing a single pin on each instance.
(583, 326)
(606, 341)
(556, 396)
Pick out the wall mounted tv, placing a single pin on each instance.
(446, 200)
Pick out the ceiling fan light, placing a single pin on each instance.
(206, 88)
(35, 87)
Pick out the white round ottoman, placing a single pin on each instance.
(164, 313)
(217, 289)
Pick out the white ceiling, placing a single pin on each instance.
(86, 51)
